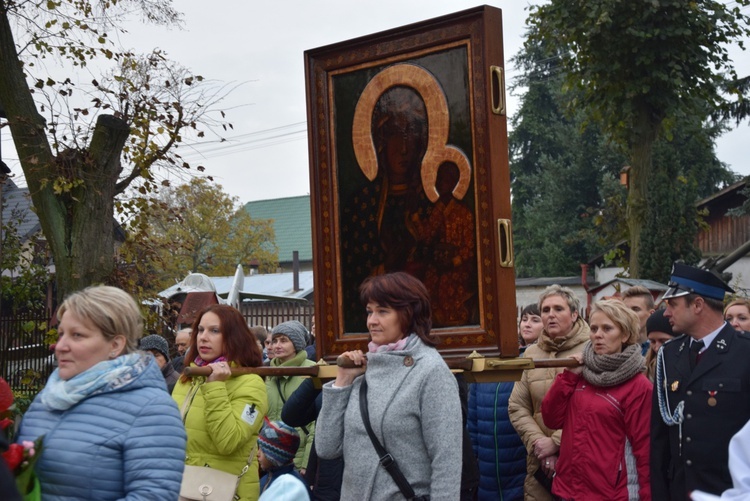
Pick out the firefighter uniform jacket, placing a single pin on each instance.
(717, 405)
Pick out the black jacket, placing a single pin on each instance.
(717, 404)
(323, 475)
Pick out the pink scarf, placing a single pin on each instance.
(200, 362)
(379, 348)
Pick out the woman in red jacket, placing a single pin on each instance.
(604, 407)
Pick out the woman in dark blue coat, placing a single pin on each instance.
(499, 450)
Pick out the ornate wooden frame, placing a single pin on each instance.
(455, 64)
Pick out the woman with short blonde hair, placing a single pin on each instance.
(105, 413)
(609, 398)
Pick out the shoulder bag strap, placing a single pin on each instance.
(189, 396)
(386, 460)
(283, 401)
(281, 393)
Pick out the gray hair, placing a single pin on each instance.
(565, 292)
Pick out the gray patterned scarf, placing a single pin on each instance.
(611, 370)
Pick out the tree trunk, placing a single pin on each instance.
(86, 255)
(644, 134)
(78, 223)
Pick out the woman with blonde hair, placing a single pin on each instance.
(564, 334)
(110, 429)
(604, 407)
(223, 413)
(737, 314)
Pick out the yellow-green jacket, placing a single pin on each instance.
(275, 402)
(222, 426)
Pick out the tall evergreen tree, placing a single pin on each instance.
(685, 169)
(556, 174)
(568, 205)
(635, 66)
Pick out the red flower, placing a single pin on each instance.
(13, 456)
(5, 423)
(6, 395)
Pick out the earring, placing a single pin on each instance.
(113, 355)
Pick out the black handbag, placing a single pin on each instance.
(386, 460)
(543, 479)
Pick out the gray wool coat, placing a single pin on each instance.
(415, 412)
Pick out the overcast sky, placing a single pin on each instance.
(260, 46)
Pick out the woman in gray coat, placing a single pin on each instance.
(412, 401)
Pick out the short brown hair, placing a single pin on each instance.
(640, 291)
(405, 294)
(260, 333)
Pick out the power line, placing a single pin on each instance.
(255, 140)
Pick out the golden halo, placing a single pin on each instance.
(438, 151)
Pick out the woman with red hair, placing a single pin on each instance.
(223, 413)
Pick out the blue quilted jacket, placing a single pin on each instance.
(499, 450)
(126, 443)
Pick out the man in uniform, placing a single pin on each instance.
(702, 389)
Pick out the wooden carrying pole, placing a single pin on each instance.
(478, 369)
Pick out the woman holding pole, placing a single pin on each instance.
(604, 407)
(564, 334)
(223, 413)
(407, 397)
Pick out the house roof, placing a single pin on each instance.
(546, 281)
(271, 284)
(732, 189)
(632, 282)
(17, 207)
(292, 224)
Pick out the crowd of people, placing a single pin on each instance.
(646, 407)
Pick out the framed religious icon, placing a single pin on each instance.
(409, 172)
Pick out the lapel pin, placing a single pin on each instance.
(721, 344)
(675, 385)
(682, 346)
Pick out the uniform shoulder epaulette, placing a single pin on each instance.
(744, 335)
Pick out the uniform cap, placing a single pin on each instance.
(690, 280)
